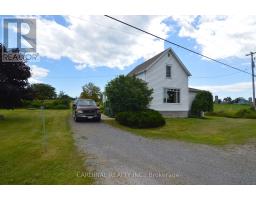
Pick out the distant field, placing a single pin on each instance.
(230, 107)
(22, 156)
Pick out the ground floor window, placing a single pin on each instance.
(171, 95)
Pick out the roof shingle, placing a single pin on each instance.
(143, 66)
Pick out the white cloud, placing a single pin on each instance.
(92, 41)
(37, 73)
(220, 36)
(236, 87)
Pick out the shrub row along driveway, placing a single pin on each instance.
(119, 157)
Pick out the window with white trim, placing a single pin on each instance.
(171, 95)
(168, 71)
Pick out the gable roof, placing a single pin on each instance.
(145, 65)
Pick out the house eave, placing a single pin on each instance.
(133, 72)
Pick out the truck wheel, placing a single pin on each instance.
(76, 119)
(98, 119)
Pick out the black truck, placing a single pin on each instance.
(85, 109)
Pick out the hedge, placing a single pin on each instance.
(141, 119)
(48, 104)
(243, 113)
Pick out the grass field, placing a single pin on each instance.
(233, 111)
(212, 130)
(23, 159)
(230, 107)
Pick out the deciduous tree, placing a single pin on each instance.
(91, 91)
(43, 91)
(13, 80)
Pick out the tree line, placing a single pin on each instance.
(15, 88)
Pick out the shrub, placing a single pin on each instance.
(127, 93)
(221, 113)
(246, 113)
(107, 109)
(101, 107)
(141, 119)
(243, 113)
(203, 102)
(60, 106)
(48, 104)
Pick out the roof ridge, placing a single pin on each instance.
(146, 63)
(143, 66)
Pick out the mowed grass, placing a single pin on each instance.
(23, 159)
(212, 130)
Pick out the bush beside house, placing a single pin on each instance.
(127, 99)
(203, 102)
(128, 93)
(141, 119)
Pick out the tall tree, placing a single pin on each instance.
(62, 95)
(227, 100)
(43, 91)
(13, 80)
(91, 91)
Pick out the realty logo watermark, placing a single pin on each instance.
(19, 37)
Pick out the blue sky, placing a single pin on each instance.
(75, 50)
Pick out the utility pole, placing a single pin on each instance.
(253, 86)
(44, 133)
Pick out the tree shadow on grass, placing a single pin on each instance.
(1, 117)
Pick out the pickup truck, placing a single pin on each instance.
(85, 109)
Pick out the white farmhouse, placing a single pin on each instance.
(168, 77)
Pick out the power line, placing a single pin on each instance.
(98, 24)
(80, 77)
(180, 46)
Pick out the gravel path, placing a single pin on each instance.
(119, 157)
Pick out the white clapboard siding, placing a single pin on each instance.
(155, 76)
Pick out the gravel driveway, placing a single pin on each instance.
(119, 157)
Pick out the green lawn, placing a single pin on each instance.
(22, 156)
(212, 130)
(230, 107)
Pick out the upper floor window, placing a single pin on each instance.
(171, 95)
(168, 71)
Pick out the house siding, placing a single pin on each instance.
(156, 79)
(142, 76)
(180, 114)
